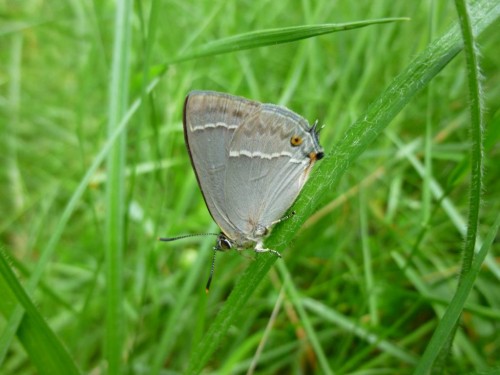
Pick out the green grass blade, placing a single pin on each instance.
(476, 183)
(13, 167)
(44, 348)
(115, 191)
(327, 176)
(262, 38)
(426, 190)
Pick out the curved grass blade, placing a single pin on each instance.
(476, 180)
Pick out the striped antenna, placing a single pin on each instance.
(209, 281)
(167, 239)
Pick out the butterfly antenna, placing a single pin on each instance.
(209, 281)
(166, 239)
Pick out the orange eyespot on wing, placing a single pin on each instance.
(296, 140)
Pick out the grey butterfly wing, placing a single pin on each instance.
(210, 120)
(265, 171)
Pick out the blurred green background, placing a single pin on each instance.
(373, 268)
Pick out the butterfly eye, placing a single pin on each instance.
(223, 243)
(295, 140)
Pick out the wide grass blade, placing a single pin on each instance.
(45, 350)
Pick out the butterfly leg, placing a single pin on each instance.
(282, 219)
(259, 248)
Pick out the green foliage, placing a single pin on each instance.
(393, 243)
